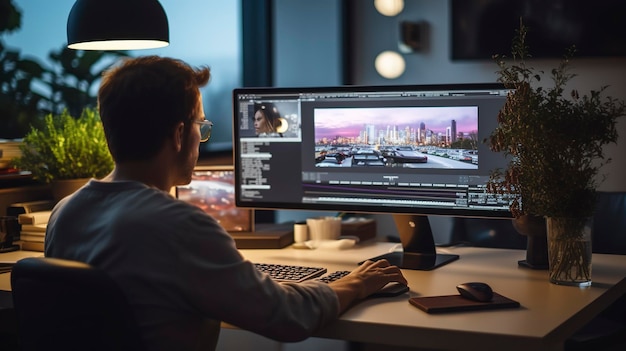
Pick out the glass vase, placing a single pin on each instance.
(569, 250)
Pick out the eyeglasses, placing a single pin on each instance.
(205, 130)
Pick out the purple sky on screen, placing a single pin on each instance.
(347, 122)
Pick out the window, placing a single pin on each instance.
(201, 33)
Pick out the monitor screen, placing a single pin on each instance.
(212, 189)
(414, 150)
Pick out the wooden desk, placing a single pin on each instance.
(7, 316)
(548, 316)
(549, 313)
(5, 278)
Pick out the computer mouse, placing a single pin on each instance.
(476, 291)
(390, 290)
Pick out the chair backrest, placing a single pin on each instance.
(68, 305)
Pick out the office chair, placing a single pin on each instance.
(68, 305)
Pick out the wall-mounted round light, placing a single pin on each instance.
(389, 7)
(390, 64)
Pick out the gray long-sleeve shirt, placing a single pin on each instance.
(180, 270)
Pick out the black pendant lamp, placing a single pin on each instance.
(117, 25)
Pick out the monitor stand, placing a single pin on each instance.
(418, 245)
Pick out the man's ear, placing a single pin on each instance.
(179, 132)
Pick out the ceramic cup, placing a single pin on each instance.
(300, 232)
(323, 229)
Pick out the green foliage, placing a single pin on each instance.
(66, 148)
(10, 16)
(555, 140)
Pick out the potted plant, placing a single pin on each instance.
(555, 142)
(66, 149)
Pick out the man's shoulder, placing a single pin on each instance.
(127, 199)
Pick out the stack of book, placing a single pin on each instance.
(9, 149)
(33, 231)
(18, 208)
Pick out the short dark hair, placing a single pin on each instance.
(142, 99)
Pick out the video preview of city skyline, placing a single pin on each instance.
(331, 123)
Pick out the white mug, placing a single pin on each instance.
(323, 229)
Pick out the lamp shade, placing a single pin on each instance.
(117, 25)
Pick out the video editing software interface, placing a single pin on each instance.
(400, 149)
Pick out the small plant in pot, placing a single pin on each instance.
(66, 150)
(555, 139)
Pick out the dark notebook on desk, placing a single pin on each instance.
(457, 303)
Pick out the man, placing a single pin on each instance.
(180, 270)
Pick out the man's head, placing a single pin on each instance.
(143, 101)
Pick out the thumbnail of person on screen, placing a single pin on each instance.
(267, 120)
(180, 270)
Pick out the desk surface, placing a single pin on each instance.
(549, 313)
